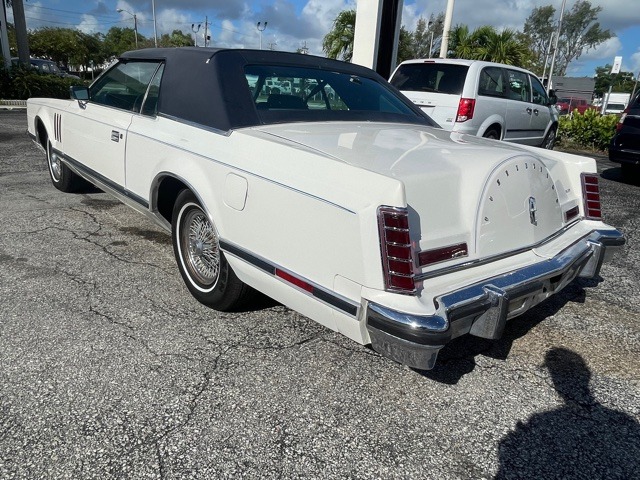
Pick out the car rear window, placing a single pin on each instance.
(288, 93)
(430, 77)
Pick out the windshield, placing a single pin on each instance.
(288, 93)
(430, 77)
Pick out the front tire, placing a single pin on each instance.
(202, 264)
(61, 175)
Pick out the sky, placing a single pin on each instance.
(293, 24)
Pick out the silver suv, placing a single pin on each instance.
(486, 99)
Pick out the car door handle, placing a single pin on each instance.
(529, 110)
(115, 136)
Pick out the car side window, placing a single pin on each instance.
(150, 106)
(539, 93)
(492, 82)
(124, 85)
(518, 86)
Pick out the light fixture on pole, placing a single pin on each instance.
(261, 28)
(195, 33)
(135, 22)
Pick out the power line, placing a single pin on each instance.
(32, 7)
(73, 24)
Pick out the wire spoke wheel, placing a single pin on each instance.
(201, 247)
(203, 266)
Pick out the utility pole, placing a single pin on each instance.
(261, 28)
(206, 25)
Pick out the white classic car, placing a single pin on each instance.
(342, 201)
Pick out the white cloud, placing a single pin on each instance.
(606, 50)
(88, 24)
(635, 63)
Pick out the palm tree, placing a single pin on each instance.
(486, 43)
(461, 43)
(503, 47)
(338, 43)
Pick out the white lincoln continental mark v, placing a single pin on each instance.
(316, 182)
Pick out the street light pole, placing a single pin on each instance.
(555, 46)
(155, 31)
(135, 22)
(195, 33)
(261, 28)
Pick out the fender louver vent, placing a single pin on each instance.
(57, 127)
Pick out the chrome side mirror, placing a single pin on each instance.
(81, 94)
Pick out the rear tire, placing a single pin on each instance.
(492, 134)
(550, 140)
(61, 175)
(202, 264)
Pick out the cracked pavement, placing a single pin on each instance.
(110, 369)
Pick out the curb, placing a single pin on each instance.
(13, 104)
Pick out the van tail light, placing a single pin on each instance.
(465, 109)
(396, 250)
(591, 195)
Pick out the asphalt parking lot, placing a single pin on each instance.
(110, 369)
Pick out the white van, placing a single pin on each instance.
(481, 98)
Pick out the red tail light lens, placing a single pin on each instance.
(621, 121)
(465, 109)
(396, 251)
(591, 195)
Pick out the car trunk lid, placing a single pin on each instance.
(459, 189)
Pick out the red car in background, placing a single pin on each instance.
(568, 105)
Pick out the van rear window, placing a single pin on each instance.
(430, 77)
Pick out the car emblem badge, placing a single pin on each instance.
(532, 211)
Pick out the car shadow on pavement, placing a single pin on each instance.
(580, 439)
(457, 358)
(616, 175)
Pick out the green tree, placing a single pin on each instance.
(488, 44)
(338, 43)
(176, 39)
(119, 40)
(580, 32)
(620, 82)
(405, 45)
(425, 31)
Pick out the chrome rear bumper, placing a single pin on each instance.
(482, 309)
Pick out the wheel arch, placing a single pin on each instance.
(42, 134)
(165, 189)
(493, 122)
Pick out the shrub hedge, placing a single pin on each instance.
(19, 84)
(588, 130)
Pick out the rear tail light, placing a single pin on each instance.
(465, 109)
(591, 195)
(622, 117)
(396, 250)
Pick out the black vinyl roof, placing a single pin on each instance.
(208, 86)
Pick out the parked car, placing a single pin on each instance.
(486, 99)
(571, 104)
(625, 144)
(46, 66)
(358, 213)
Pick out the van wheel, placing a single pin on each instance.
(202, 264)
(550, 140)
(492, 133)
